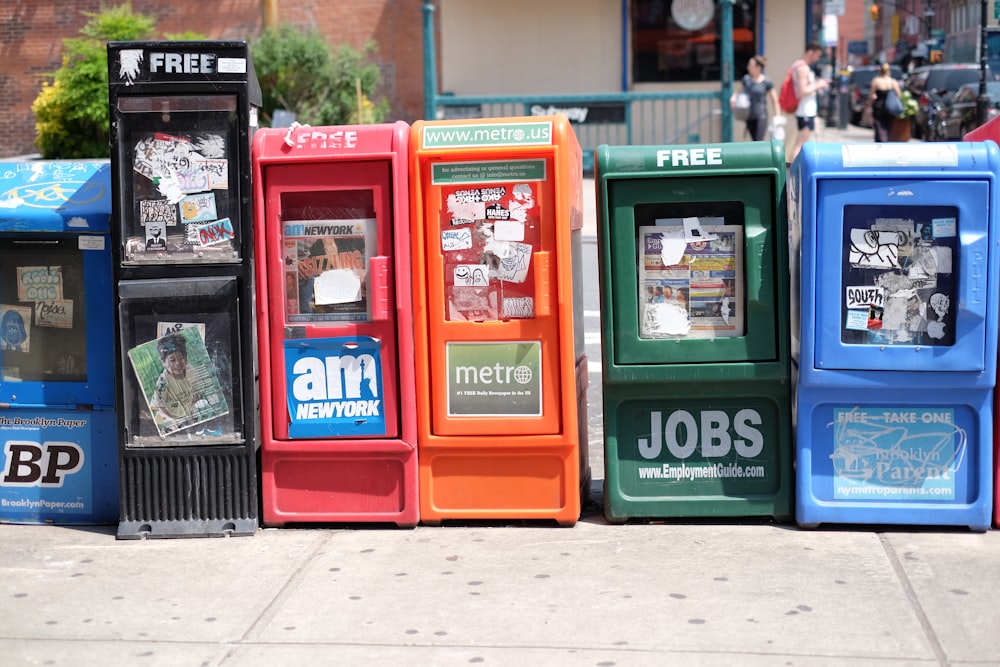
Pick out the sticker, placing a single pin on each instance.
(15, 328)
(471, 304)
(514, 267)
(337, 286)
(167, 328)
(156, 237)
(465, 212)
(518, 307)
(522, 200)
(231, 65)
(857, 320)
(508, 230)
(456, 239)
(198, 208)
(944, 227)
(334, 387)
(211, 233)
(871, 248)
(39, 283)
(865, 296)
(91, 243)
(157, 210)
(471, 275)
(900, 155)
(58, 314)
(216, 172)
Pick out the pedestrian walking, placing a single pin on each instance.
(806, 87)
(882, 86)
(759, 89)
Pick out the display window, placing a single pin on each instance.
(328, 240)
(690, 271)
(43, 311)
(488, 237)
(899, 269)
(180, 199)
(182, 372)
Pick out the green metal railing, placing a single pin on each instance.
(627, 118)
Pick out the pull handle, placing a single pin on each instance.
(543, 284)
(379, 277)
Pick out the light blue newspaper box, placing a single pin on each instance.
(898, 332)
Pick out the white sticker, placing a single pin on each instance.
(337, 286)
(232, 66)
(471, 275)
(508, 230)
(91, 243)
(514, 267)
(900, 155)
(456, 239)
(863, 296)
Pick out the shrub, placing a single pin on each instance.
(71, 111)
(298, 72)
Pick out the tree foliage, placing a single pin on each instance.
(71, 111)
(298, 72)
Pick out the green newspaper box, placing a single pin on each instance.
(693, 257)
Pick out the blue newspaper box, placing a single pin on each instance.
(58, 455)
(898, 332)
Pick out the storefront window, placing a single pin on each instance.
(679, 40)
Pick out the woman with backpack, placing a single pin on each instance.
(758, 89)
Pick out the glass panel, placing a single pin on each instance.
(488, 238)
(180, 202)
(678, 40)
(181, 374)
(42, 311)
(690, 270)
(328, 237)
(900, 275)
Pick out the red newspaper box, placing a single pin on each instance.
(990, 130)
(338, 413)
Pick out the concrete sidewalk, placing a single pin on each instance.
(647, 593)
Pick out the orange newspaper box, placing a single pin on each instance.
(497, 213)
(338, 416)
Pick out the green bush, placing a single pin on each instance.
(298, 72)
(71, 111)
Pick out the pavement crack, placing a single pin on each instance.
(914, 600)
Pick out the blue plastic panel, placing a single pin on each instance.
(55, 196)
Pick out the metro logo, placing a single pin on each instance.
(683, 434)
(44, 465)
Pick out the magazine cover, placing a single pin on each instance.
(326, 269)
(178, 381)
(690, 279)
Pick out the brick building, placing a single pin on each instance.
(32, 33)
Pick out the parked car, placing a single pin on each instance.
(958, 113)
(931, 85)
(859, 86)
